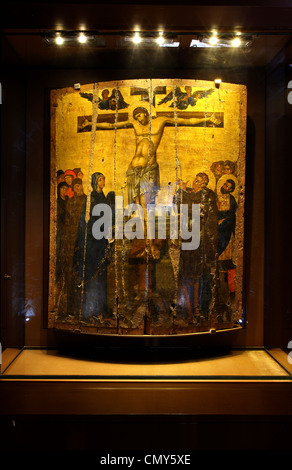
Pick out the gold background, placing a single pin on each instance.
(196, 148)
(110, 152)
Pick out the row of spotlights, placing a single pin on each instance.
(137, 39)
(236, 41)
(81, 38)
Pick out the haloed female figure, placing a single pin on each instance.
(62, 199)
(92, 258)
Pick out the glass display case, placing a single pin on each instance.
(69, 102)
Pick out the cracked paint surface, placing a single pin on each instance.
(167, 142)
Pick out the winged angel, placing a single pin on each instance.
(108, 101)
(186, 98)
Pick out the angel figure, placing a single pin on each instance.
(107, 101)
(185, 98)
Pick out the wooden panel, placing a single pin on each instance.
(169, 144)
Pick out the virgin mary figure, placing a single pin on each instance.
(92, 257)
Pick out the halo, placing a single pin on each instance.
(223, 180)
(142, 104)
(203, 169)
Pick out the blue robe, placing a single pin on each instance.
(91, 260)
(227, 226)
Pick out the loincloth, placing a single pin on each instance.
(142, 180)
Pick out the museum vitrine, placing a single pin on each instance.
(144, 205)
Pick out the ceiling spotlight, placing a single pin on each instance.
(82, 38)
(160, 39)
(137, 38)
(213, 39)
(59, 40)
(236, 42)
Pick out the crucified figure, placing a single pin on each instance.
(143, 172)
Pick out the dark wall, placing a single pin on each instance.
(13, 163)
(278, 299)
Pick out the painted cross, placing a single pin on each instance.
(183, 99)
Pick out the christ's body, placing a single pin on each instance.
(143, 170)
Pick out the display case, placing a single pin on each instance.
(210, 93)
